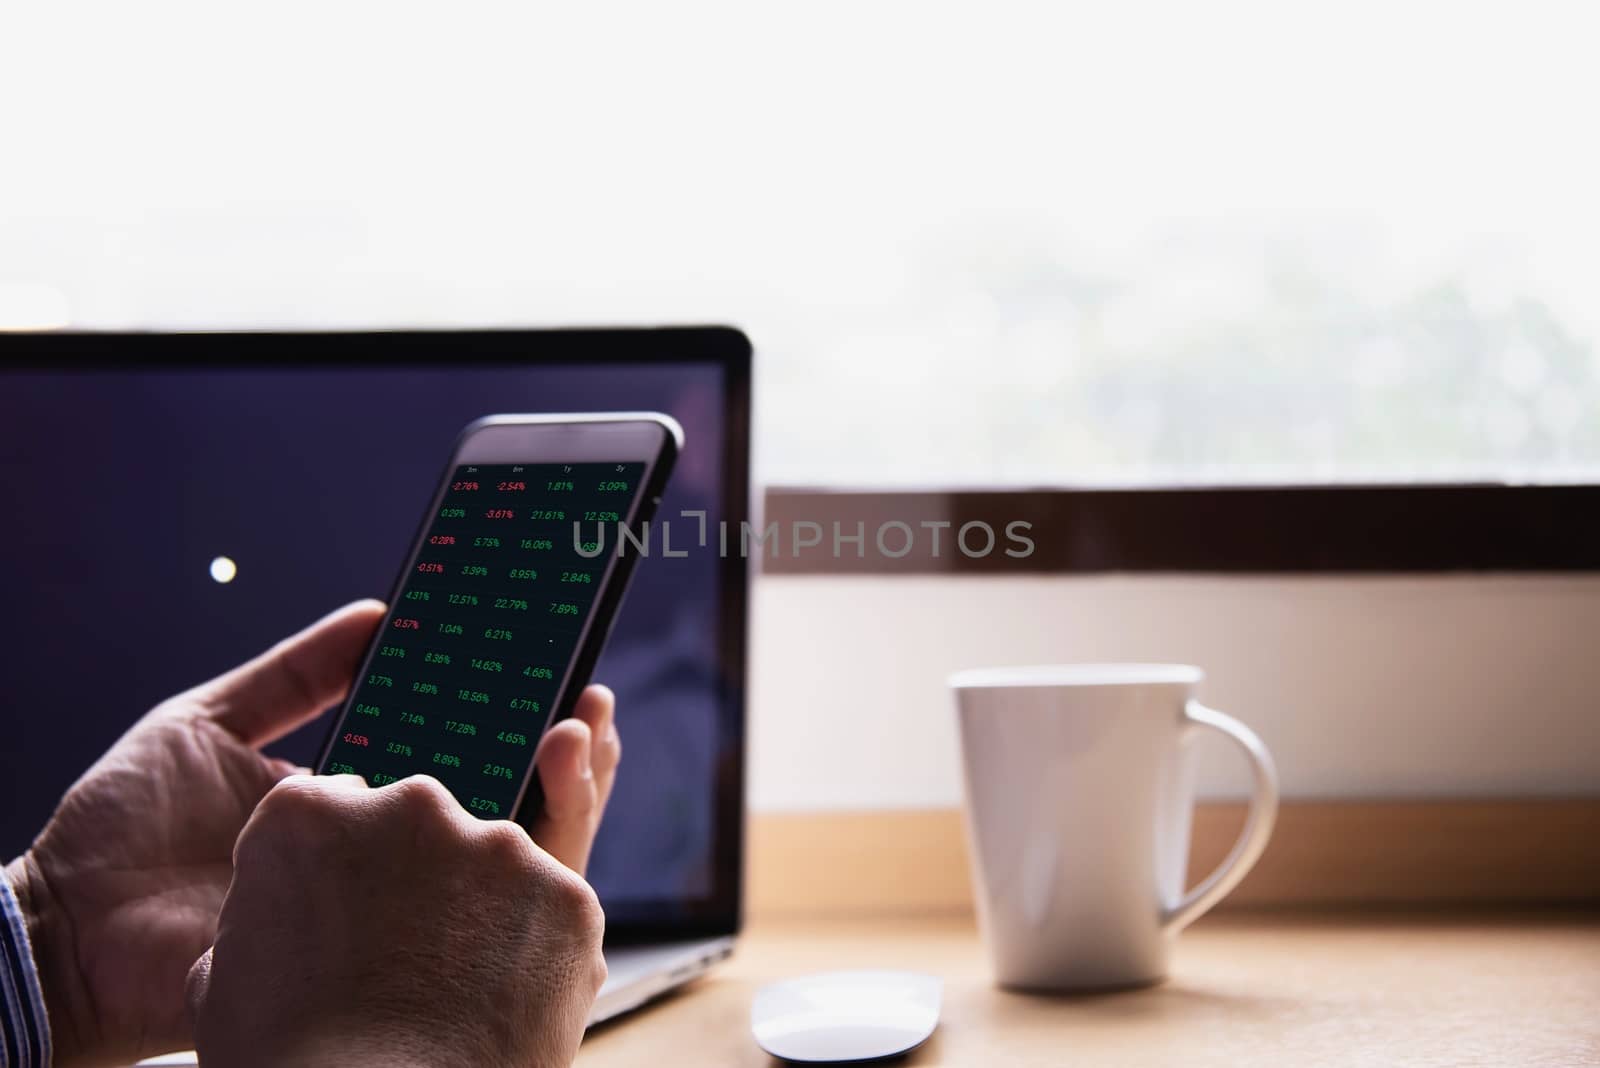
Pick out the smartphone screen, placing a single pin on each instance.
(485, 628)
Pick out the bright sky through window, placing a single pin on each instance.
(1015, 243)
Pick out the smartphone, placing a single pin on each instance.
(504, 604)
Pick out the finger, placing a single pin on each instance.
(597, 707)
(566, 826)
(280, 768)
(295, 679)
(274, 770)
(306, 780)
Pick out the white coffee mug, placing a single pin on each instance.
(1080, 788)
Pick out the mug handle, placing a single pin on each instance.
(1257, 825)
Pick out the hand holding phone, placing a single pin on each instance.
(328, 870)
(503, 605)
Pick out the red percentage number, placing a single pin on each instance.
(407, 624)
(442, 539)
(499, 513)
(463, 486)
(356, 739)
(431, 569)
(512, 487)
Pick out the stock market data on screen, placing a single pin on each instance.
(484, 628)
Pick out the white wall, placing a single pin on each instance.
(1402, 686)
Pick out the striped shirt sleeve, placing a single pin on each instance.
(24, 1027)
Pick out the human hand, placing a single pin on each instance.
(122, 887)
(391, 927)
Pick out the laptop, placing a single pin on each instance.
(213, 445)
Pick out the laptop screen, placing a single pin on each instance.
(168, 520)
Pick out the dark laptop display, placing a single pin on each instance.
(131, 465)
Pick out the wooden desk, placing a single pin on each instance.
(1271, 988)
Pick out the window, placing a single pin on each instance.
(1001, 245)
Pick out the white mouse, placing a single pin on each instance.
(846, 1016)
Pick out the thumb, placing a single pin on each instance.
(197, 985)
(295, 679)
